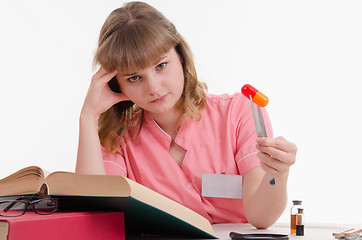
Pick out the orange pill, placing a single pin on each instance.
(258, 97)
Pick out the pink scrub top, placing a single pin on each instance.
(223, 141)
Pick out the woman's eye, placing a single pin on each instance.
(134, 78)
(161, 65)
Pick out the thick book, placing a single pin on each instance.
(146, 212)
(63, 225)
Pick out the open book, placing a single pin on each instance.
(145, 211)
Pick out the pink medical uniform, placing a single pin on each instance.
(223, 141)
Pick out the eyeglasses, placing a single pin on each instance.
(17, 207)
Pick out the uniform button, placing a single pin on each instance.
(188, 185)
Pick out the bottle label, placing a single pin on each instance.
(300, 219)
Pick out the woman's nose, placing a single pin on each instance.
(153, 84)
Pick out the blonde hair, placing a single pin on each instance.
(132, 38)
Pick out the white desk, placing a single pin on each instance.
(311, 232)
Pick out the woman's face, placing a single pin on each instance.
(157, 88)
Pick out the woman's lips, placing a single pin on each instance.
(161, 99)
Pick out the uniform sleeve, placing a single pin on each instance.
(114, 163)
(245, 156)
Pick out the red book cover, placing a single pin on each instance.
(63, 225)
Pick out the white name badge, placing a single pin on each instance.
(222, 185)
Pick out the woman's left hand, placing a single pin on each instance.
(276, 155)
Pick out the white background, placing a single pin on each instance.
(306, 56)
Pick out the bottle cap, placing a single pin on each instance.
(297, 202)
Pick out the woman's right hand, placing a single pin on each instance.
(100, 97)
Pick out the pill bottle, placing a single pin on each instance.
(300, 222)
(293, 215)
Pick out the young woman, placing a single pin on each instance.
(146, 116)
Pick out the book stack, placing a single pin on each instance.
(146, 212)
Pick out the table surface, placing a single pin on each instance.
(311, 231)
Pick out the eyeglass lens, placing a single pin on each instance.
(12, 208)
(45, 206)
